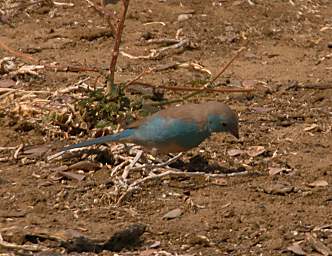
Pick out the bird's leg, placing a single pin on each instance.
(151, 167)
(158, 158)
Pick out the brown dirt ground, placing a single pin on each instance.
(287, 46)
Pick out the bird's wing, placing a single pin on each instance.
(138, 123)
(189, 112)
(197, 113)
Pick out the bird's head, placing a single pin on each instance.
(222, 119)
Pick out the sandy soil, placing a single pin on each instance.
(288, 56)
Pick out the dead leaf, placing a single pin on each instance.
(7, 83)
(148, 252)
(318, 245)
(278, 189)
(311, 127)
(254, 151)
(85, 166)
(61, 168)
(277, 170)
(12, 214)
(36, 151)
(155, 244)
(261, 109)
(249, 84)
(319, 183)
(324, 226)
(296, 249)
(219, 182)
(72, 175)
(235, 152)
(173, 214)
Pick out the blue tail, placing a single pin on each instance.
(124, 135)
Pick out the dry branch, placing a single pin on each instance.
(155, 53)
(115, 54)
(191, 89)
(12, 246)
(145, 72)
(18, 54)
(209, 85)
(50, 67)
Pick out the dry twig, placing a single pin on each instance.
(191, 89)
(155, 53)
(131, 165)
(209, 85)
(12, 246)
(20, 147)
(18, 54)
(115, 54)
(50, 67)
(145, 72)
(105, 13)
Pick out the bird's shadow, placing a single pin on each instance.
(199, 163)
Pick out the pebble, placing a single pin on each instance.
(183, 17)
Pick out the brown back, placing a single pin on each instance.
(190, 112)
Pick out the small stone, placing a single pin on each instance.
(222, 38)
(250, 56)
(219, 182)
(199, 240)
(229, 28)
(268, 31)
(147, 35)
(183, 17)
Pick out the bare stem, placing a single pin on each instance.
(118, 36)
(209, 85)
(191, 89)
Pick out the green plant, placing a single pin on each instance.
(100, 109)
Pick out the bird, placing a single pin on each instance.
(174, 129)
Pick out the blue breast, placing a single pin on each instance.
(159, 132)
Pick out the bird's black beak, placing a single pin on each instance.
(235, 132)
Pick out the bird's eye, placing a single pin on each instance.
(223, 124)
